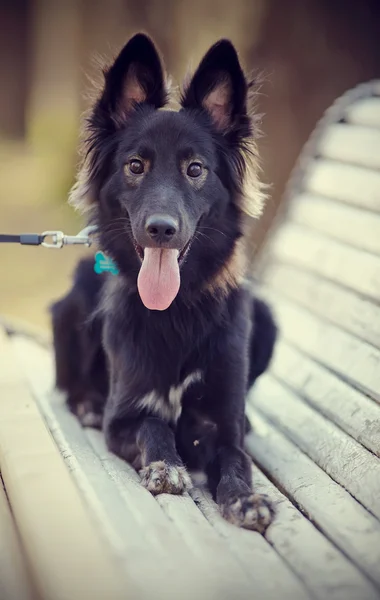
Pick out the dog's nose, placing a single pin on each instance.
(161, 227)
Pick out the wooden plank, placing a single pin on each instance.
(92, 481)
(185, 518)
(352, 185)
(327, 300)
(168, 533)
(351, 225)
(90, 476)
(357, 145)
(349, 409)
(245, 546)
(326, 572)
(339, 516)
(350, 267)
(263, 566)
(46, 503)
(354, 360)
(364, 112)
(248, 548)
(266, 567)
(149, 540)
(15, 583)
(337, 453)
(190, 545)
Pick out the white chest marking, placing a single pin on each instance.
(169, 408)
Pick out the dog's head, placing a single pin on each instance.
(167, 188)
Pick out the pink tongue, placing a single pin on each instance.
(159, 280)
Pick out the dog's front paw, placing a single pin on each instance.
(250, 511)
(161, 478)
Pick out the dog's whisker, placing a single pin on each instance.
(199, 233)
(116, 230)
(213, 229)
(117, 235)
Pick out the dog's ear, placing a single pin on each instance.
(219, 86)
(134, 78)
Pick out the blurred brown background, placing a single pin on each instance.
(309, 50)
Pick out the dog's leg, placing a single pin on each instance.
(71, 354)
(90, 409)
(149, 444)
(229, 471)
(80, 362)
(66, 344)
(163, 470)
(230, 476)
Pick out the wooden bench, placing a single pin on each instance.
(75, 522)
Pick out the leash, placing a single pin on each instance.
(50, 239)
(57, 239)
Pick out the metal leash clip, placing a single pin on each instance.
(59, 239)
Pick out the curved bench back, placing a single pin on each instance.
(321, 264)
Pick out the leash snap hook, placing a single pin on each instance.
(57, 239)
(83, 237)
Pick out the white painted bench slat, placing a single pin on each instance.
(257, 558)
(15, 583)
(352, 185)
(355, 269)
(351, 225)
(353, 412)
(341, 518)
(337, 453)
(353, 144)
(355, 361)
(324, 298)
(365, 112)
(309, 552)
(56, 532)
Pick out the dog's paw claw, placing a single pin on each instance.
(250, 511)
(161, 478)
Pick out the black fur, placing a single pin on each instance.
(120, 362)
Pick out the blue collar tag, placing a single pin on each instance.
(104, 264)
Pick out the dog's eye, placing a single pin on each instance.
(136, 167)
(194, 169)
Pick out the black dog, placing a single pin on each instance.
(167, 348)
